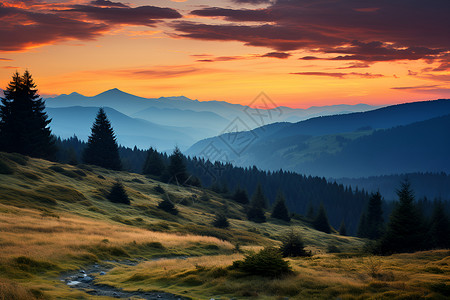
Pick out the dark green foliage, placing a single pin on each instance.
(177, 167)
(440, 227)
(343, 229)
(159, 189)
(240, 196)
(321, 221)
(405, 231)
(221, 221)
(310, 212)
(280, 210)
(258, 198)
(102, 149)
(194, 181)
(118, 194)
(293, 245)
(23, 122)
(371, 222)
(154, 164)
(5, 168)
(255, 212)
(167, 205)
(268, 263)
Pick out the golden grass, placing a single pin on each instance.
(405, 276)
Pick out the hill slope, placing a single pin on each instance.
(298, 147)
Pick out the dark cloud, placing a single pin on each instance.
(220, 58)
(107, 3)
(5, 59)
(22, 29)
(255, 2)
(416, 87)
(281, 55)
(358, 30)
(142, 15)
(339, 75)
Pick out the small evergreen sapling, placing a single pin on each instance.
(118, 194)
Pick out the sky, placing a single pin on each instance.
(301, 53)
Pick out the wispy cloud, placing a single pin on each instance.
(339, 75)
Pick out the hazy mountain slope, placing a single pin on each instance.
(78, 120)
(419, 147)
(298, 146)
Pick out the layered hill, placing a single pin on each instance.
(351, 145)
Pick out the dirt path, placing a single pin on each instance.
(84, 280)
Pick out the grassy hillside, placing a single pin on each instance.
(55, 218)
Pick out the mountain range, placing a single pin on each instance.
(412, 137)
(175, 120)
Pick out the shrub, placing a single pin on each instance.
(268, 263)
(5, 168)
(159, 189)
(118, 194)
(168, 206)
(293, 245)
(221, 221)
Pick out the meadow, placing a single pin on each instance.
(55, 218)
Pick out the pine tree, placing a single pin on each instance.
(102, 149)
(310, 212)
(177, 167)
(23, 122)
(118, 194)
(374, 217)
(221, 221)
(258, 198)
(362, 226)
(405, 231)
(154, 165)
(440, 227)
(343, 229)
(292, 245)
(321, 221)
(280, 210)
(240, 196)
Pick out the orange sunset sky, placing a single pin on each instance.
(301, 53)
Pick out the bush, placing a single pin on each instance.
(159, 189)
(168, 206)
(5, 168)
(118, 194)
(221, 221)
(293, 245)
(268, 263)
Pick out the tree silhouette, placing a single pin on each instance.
(154, 165)
(177, 167)
(102, 149)
(440, 227)
(221, 221)
(240, 196)
(118, 194)
(343, 229)
(280, 210)
(405, 231)
(292, 245)
(23, 122)
(321, 221)
(258, 198)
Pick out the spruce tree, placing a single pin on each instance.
(240, 196)
(102, 149)
(405, 231)
(118, 194)
(154, 165)
(258, 198)
(177, 167)
(310, 212)
(321, 221)
(362, 226)
(280, 210)
(343, 229)
(292, 245)
(374, 217)
(23, 122)
(440, 227)
(221, 221)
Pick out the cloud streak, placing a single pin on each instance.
(339, 75)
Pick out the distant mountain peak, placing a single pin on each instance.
(114, 92)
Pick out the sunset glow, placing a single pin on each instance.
(300, 53)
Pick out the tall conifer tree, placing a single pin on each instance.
(154, 165)
(321, 222)
(23, 121)
(280, 210)
(102, 149)
(177, 167)
(405, 231)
